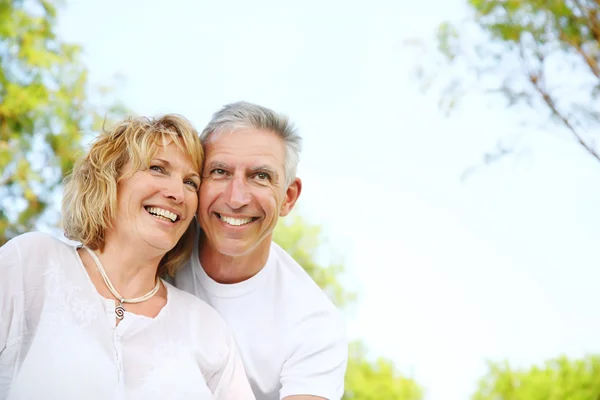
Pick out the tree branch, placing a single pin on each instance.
(590, 61)
(488, 159)
(536, 79)
(590, 19)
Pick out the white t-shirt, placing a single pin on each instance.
(59, 338)
(290, 335)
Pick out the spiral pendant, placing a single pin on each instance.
(120, 311)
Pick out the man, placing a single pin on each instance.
(291, 337)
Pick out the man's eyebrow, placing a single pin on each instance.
(216, 165)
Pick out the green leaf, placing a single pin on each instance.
(44, 109)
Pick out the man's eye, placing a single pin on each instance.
(263, 176)
(219, 172)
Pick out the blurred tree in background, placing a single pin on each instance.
(376, 380)
(365, 379)
(44, 111)
(560, 379)
(541, 54)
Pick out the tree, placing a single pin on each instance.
(365, 379)
(44, 111)
(543, 54)
(559, 378)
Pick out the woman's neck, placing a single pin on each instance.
(132, 272)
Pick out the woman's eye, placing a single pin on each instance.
(192, 184)
(157, 168)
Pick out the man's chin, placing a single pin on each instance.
(234, 250)
(238, 248)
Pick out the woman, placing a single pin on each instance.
(94, 320)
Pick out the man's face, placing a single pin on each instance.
(243, 191)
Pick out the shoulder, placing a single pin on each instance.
(34, 243)
(301, 290)
(33, 238)
(315, 341)
(308, 309)
(25, 259)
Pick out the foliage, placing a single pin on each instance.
(376, 380)
(44, 111)
(557, 379)
(539, 54)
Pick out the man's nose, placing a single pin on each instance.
(238, 193)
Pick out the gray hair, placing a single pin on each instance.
(244, 115)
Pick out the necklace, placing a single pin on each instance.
(120, 310)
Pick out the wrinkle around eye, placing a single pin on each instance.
(263, 182)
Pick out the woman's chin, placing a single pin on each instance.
(161, 244)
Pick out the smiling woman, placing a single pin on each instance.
(99, 308)
(90, 199)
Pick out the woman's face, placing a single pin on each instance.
(155, 206)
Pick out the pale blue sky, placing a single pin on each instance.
(503, 265)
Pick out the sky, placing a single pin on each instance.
(450, 273)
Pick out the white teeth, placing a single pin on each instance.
(235, 221)
(163, 213)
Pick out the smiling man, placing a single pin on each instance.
(291, 337)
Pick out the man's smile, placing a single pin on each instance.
(235, 221)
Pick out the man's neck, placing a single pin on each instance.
(231, 269)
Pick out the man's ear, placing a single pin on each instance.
(291, 196)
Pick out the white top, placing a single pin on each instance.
(59, 338)
(290, 335)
